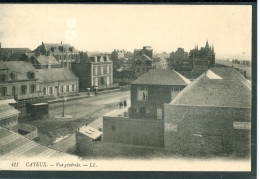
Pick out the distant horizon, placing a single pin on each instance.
(104, 28)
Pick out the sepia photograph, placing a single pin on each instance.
(126, 87)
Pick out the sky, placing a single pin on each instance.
(104, 28)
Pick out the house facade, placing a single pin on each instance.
(94, 71)
(18, 81)
(144, 126)
(151, 90)
(57, 82)
(64, 53)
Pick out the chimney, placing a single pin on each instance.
(42, 43)
(107, 57)
(61, 42)
(101, 58)
(95, 58)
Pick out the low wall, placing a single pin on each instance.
(132, 131)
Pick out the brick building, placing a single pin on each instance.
(94, 71)
(57, 82)
(212, 115)
(18, 80)
(65, 53)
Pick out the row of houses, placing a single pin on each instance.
(210, 115)
(21, 81)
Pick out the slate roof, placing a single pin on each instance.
(142, 57)
(55, 74)
(230, 90)
(15, 146)
(7, 111)
(17, 66)
(16, 49)
(55, 48)
(45, 59)
(162, 77)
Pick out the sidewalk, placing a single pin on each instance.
(98, 123)
(80, 95)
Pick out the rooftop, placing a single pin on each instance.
(90, 132)
(7, 111)
(46, 59)
(162, 77)
(219, 86)
(16, 66)
(55, 74)
(15, 146)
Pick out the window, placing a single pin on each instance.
(67, 88)
(108, 69)
(113, 128)
(44, 91)
(108, 80)
(142, 93)
(73, 87)
(13, 90)
(96, 72)
(51, 90)
(30, 75)
(96, 81)
(32, 90)
(61, 89)
(3, 77)
(102, 70)
(23, 89)
(11, 75)
(159, 113)
(176, 89)
(3, 91)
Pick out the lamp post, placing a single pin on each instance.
(64, 99)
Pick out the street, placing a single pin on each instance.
(85, 110)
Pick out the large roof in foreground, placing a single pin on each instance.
(219, 86)
(15, 146)
(162, 77)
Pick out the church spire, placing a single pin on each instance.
(207, 45)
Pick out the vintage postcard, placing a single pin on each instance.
(111, 87)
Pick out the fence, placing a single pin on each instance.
(30, 132)
(124, 88)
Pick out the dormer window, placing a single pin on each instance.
(3, 78)
(61, 48)
(11, 75)
(31, 75)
